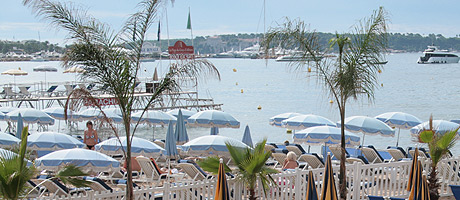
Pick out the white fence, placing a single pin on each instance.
(385, 179)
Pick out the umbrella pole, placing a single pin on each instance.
(397, 141)
(309, 148)
(364, 135)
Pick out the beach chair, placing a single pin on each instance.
(159, 143)
(150, 170)
(298, 150)
(268, 147)
(312, 159)
(57, 188)
(24, 91)
(397, 153)
(69, 89)
(372, 155)
(422, 152)
(194, 171)
(361, 159)
(9, 92)
(90, 86)
(50, 91)
(279, 157)
(455, 190)
(36, 190)
(337, 152)
(97, 184)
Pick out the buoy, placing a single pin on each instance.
(380, 71)
(289, 131)
(234, 70)
(309, 69)
(381, 84)
(259, 107)
(331, 101)
(242, 91)
(236, 83)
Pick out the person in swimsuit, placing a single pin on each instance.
(90, 138)
(291, 161)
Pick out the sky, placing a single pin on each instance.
(213, 17)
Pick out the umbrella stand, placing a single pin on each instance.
(397, 141)
(364, 135)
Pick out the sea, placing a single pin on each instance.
(276, 87)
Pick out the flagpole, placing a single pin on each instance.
(191, 29)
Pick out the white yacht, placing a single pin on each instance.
(296, 57)
(432, 55)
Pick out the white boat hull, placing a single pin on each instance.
(439, 60)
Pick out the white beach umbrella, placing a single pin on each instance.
(87, 160)
(139, 147)
(305, 121)
(185, 113)
(367, 126)
(213, 118)
(154, 117)
(14, 73)
(49, 141)
(440, 126)
(211, 145)
(399, 120)
(277, 119)
(7, 109)
(30, 116)
(8, 141)
(328, 135)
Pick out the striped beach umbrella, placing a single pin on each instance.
(276, 120)
(412, 170)
(222, 187)
(367, 126)
(399, 120)
(305, 121)
(419, 189)
(247, 139)
(329, 190)
(312, 194)
(8, 141)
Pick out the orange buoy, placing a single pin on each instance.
(242, 90)
(259, 107)
(331, 101)
(234, 70)
(309, 69)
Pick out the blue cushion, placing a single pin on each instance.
(375, 197)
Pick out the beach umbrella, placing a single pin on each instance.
(367, 126)
(277, 119)
(399, 120)
(87, 160)
(45, 68)
(6, 154)
(153, 117)
(50, 141)
(7, 140)
(306, 121)
(185, 113)
(412, 170)
(30, 116)
(247, 137)
(181, 131)
(74, 69)
(96, 114)
(113, 111)
(7, 109)
(14, 73)
(328, 191)
(311, 192)
(214, 131)
(139, 147)
(2, 116)
(319, 135)
(213, 118)
(155, 75)
(211, 145)
(19, 127)
(170, 145)
(439, 126)
(59, 114)
(419, 189)
(222, 186)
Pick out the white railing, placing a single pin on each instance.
(384, 179)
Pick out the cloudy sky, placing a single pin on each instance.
(212, 17)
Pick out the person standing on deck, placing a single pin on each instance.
(90, 138)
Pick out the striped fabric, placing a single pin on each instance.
(329, 190)
(312, 194)
(412, 170)
(222, 187)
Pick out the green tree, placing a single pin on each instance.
(439, 146)
(352, 74)
(100, 50)
(250, 163)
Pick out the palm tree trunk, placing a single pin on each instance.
(433, 184)
(252, 194)
(342, 174)
(129, 187)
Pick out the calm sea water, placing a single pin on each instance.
(408, 87)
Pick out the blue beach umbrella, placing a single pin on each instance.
(440, 126)
(7, 109)
(185, 113)
(305, 121)
(367, 126)
(181, 131)
(247, 137)
(139, 147)
(30, 116)
(153, 117)
(213, 118)
(59, 114)
(277, 119)
(87, 160)
(9, 155)
(312, 193)
(19, 127)
(50, 141)
(7, 140)
(211, 145)
(214, 131)
(170, 145)
(329, 190)
(399, 120)
(319, 135)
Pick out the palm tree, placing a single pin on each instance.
(112, 59)
(14, 172)
(352, 74)
(439, 146)
(250, 163)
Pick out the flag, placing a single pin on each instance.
(189, 21)
(158, 31)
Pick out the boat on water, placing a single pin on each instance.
(147, 60)
(434, 56)
(290, 58)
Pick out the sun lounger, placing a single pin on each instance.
(159, 143)
(296, 148)
(9, 92)
(397, 153)
(279, 157)
(24, 90)
(361, 159)
(194, 171)
(337, 152)
(372, 155)
(312, 159)
(97, 184)
(269, 147)
(57, 188)
(69, 89)
(375, 197)
(422, 152)
(150, 170)
(50, 91)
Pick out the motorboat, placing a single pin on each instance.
(296, 58)
(434, 56)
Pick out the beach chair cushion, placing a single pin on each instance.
(312, 159)
(455, 190)
(98, 181)
(375, 197)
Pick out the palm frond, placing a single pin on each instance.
(211, 164)
(70, 174)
